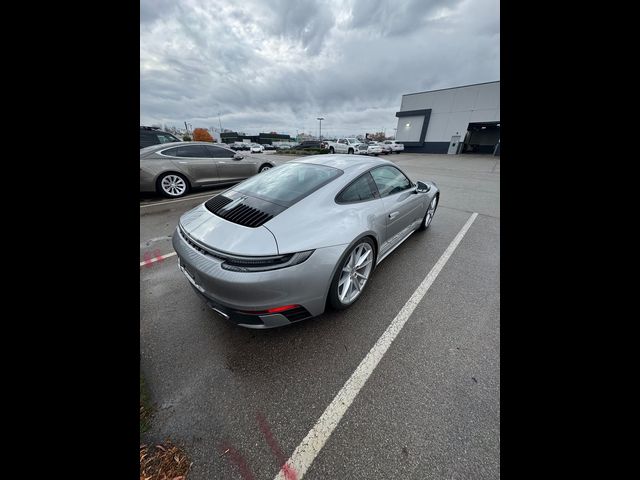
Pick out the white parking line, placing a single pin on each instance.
(179, 200)
(304, 455)
(157, 258)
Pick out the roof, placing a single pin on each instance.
(344, 162)
(451, 88)
(158, 146)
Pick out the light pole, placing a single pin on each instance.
(320, 120)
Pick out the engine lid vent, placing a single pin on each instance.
(243, 210)
(217, 202)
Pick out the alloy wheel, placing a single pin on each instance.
(173, 185)
(430, 212)
(355, 273)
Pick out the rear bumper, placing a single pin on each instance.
(245, 297)
(254, 320)
(147, 182)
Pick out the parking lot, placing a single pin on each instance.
(241, 401)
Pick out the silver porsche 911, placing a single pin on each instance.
(281, 246)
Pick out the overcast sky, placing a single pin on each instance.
(277, 65)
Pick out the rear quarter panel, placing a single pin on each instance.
(153, 166)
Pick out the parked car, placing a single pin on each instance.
(343, 145)
(286, 145)
(268, 146)
(172, 169)
(240, 146)
(256, 148)
(395, 146)
(281, 246)
(154, 136)
(386, 149)
(310, 144)
(368, 149)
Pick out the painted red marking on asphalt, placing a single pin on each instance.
(150, 260)
(289, 471)
(238, 460)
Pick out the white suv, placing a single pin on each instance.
(395, 146)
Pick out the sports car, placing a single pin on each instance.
(283, 245)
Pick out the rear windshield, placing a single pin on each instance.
(288, 183)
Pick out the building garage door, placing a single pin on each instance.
(482, 137)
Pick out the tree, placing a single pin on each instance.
(377, 137)
(186, 138)
(202, 135)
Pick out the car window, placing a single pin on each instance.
(288, 183)
(147, 139)
(390, 180)
(172, 152)
(360, 190)
(166, 138)
(218, 152)
(191, 151)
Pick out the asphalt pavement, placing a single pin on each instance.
(240, 401)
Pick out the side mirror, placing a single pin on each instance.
(422, 187)
(237, 156)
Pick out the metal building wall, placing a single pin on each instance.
(451, 112)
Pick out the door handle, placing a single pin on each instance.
(393, 214)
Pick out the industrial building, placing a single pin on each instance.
(451, 120)
(263, 138)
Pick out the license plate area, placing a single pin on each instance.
(190, 276)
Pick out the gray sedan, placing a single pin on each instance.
(280, 246)
(172, 169)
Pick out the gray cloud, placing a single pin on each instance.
(151, 10)
(278, 65)
(397, 16)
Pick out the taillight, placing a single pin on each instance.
(262, 264)
(282, 309)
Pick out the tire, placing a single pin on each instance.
(265, 167)
(350, 152)
(172, 185)
(430, 213)
(331, 150)
(342, 293)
